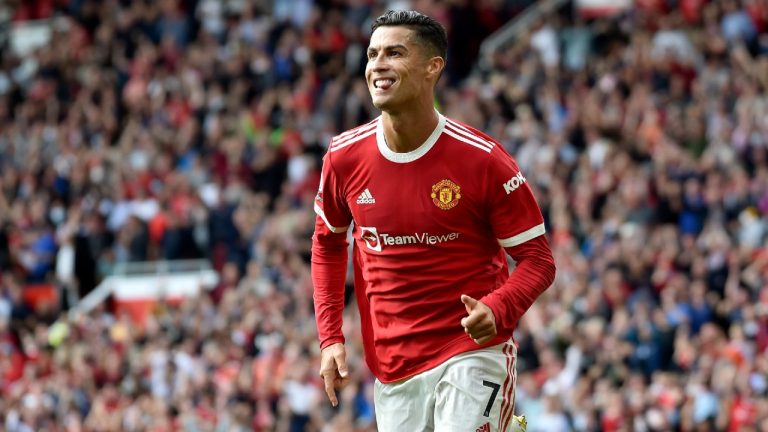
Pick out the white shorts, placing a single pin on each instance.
(470, 392)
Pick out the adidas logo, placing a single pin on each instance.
(484, 428)
(366, 198)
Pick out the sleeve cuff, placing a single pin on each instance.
(330, 341)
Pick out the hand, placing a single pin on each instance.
(480, 324)
(333, 370)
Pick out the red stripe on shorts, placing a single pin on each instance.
(511, 391)
(505, 401)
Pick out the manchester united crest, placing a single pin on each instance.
(446, 194)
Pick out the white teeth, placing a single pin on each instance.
(383, 82)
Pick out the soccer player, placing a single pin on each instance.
(433, 205)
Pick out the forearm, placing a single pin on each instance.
(329, 268)
(533, 274)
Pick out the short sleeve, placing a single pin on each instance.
(514, 213)
(330, 204)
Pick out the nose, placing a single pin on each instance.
(378, 63)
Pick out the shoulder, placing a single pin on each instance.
(473, 140)
(482, 152)
(469, 138)
(348, 139)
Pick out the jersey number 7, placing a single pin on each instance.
(495, 391)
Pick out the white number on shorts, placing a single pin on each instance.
(495, 391)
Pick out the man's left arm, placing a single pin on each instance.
(518, 225)
(533, 274)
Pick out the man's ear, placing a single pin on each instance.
(435, 67)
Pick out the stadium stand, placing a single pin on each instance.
(157, 131)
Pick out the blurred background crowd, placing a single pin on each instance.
(182, 129)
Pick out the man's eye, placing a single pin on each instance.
(371, 55)
(395, 54)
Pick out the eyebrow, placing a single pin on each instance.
(390, 47)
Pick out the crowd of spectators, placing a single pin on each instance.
(170, 129)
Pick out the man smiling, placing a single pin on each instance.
(436, 207)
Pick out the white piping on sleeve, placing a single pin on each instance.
(320, 213)
(523, 236)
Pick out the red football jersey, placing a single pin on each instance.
(428, 226)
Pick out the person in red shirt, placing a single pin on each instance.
(434, 207)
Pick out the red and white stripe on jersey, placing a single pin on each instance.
(321, 213)
(508, 401)
(523, 236)
(465, 135)
(353, 135)
(354, 130)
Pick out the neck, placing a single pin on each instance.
(405, 132)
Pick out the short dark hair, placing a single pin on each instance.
(427, 29)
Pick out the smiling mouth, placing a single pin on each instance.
(383, 83)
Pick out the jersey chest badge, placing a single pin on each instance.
(446, 194)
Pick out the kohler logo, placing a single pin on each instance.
(512, 184)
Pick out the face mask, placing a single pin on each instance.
(97, 174)
(57, 215)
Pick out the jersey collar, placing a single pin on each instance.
(413, 154)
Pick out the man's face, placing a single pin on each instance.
(397, 72)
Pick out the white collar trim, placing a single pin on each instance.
(413, 154)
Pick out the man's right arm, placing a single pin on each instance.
(329, 254)
(329, 270)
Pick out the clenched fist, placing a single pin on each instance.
(480, 324)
